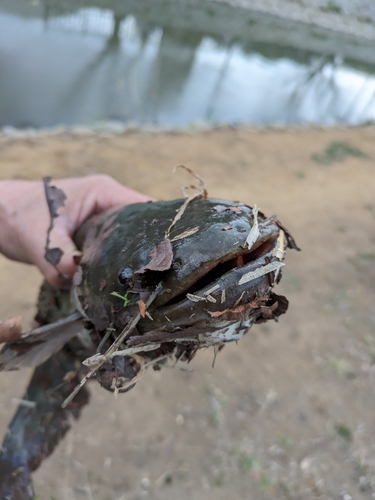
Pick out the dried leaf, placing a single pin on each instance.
(103, 284)
(201, 187)
(280, 248)
(186, 233)
(254, 231)
(144, 295)
(201, 191)
(195, 298)
(267, 311)
(39, 344)
(142, 308)
(11, 329)
(161, 258)
(100, 317)
(53, 255)
(211, 290)
(261, 271)
(236, 310)
(55, 197)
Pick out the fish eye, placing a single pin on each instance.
(124, 275)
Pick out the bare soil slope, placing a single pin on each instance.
(286, 413)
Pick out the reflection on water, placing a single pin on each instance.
(61, 64)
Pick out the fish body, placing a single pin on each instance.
(157, 279)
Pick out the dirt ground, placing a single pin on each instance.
(289, 411)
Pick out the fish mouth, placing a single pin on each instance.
(226, 274)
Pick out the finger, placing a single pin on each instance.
(109, 193)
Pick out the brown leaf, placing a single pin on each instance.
(100, 317)
(103, 284)
(185, 234)
(11, 329)
(53, 255)
(200, 189)
(161, 258)
(144, 294)
(267, 311)
(55, 197)
(237, 309)
(142, 308)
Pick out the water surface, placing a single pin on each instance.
(157, 62)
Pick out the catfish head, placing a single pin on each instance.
(216, 267)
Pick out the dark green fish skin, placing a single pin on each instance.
(37, 428)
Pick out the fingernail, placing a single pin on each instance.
(77, 257)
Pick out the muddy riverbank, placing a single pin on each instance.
(289, 412)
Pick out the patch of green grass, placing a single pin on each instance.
(219, 480)
(182, 470)
(337, 151)
(369, 340)
(332, 7)
(342, 367)
(344, 432)
(285, 441)
(284, 490)
(367, 256)
(365, 19)
(265, 480)
(123, 297)
(246, 462)
(213, 418)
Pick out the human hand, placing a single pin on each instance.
(24, 219)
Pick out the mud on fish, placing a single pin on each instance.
(157, 281)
